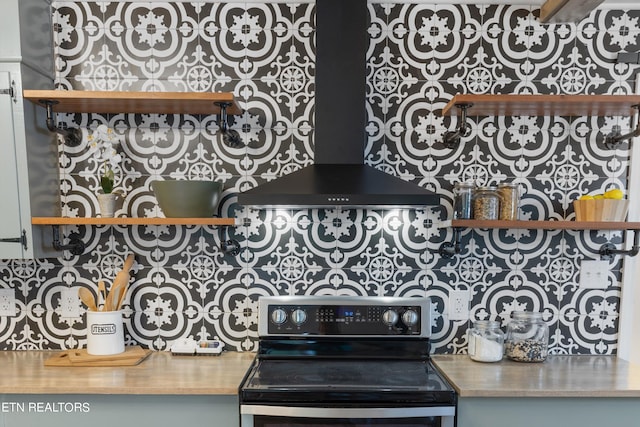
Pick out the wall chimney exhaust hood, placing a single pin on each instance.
(339, 176)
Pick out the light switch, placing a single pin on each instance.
(594, 274)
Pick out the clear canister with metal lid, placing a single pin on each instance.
(486, 341)
(527, 337)
(509, 201)
(462, 200)
(486, 203)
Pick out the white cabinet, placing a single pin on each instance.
(11, 230)
(29, 181)
(30, 184)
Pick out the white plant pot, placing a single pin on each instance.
(107, 204)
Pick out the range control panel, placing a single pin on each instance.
(344, 316)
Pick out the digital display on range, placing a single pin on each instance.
(345, 312)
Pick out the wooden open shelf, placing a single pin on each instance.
(544, 105)
(132, 221)
(546, 225)
(78, 101)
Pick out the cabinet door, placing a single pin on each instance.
(10, 225)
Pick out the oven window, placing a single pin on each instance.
(269, 421)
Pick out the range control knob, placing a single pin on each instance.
(298, 316)
(278, 316)
(390, 317)
(410, 317)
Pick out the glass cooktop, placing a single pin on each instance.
(346, 380)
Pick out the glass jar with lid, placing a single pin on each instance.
(509, 201)
(462, 197)
(486, 203)
(527, 337)
(486, 341)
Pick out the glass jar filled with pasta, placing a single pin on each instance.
(486, 203)
(509, 201)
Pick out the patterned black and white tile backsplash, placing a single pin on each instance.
(420, 55)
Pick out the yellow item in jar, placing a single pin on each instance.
(615, 194)
(586, 197)
(598, 196)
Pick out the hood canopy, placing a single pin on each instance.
(339, 176)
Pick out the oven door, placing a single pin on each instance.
(287, 416)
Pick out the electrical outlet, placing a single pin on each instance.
(594, 274)
(7, 302)
(458, 305)
(69, 303)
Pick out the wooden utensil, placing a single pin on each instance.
(86, 296)
(113, 299)
(128, 263)
(102, 292)
(125, 287)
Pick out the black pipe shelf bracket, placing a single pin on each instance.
(229, 246)
(608, 250)
(72, 136)
(450, 249)
(612, 140)
(230, 137)
(76, 246)
(452, 139)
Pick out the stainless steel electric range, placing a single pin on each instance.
(337, 361)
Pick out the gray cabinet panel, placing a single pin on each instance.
(119, 410)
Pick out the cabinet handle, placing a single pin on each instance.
(9, 92)
(22, 239)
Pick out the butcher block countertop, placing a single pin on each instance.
(23, 372)
(558, 376)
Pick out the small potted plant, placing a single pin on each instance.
(103, 142)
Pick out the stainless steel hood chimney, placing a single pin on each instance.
(339, 176)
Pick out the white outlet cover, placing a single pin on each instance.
(8, 302)
(458, 305)
(594, 274)
(69, 303)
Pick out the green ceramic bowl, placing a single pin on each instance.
(187, 199)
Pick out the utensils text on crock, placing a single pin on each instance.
(86, 296)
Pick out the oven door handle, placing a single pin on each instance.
(294, 411)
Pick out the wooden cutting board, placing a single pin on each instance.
(130, 357)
